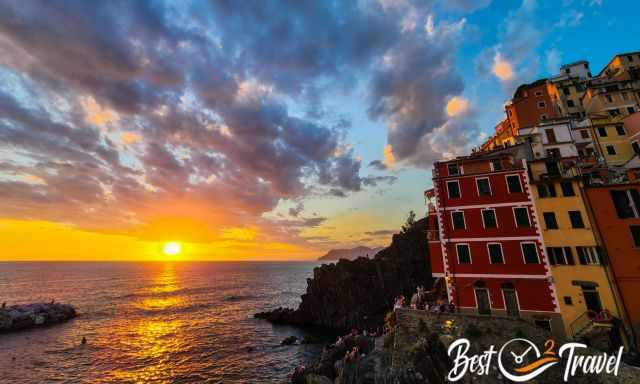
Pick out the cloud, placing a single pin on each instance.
(295, 211)
(553, 58)
(502, 68)
(138, 113)
(457, 106)
(378, 164)
(571, 18)
(382, 232)
(466, 5)
(373, 181)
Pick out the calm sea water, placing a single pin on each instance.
(155, 322)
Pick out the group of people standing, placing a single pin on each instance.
(424, 300)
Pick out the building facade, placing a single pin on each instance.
(585, 294)
(616, 210)
(488, 247)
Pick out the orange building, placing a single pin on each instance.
(616, 209)
(531, 104)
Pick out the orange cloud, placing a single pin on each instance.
(389, 158)
(96, 114)
(457, 106)
(502, 68)
(127, 138)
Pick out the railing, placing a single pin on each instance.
(589, 322)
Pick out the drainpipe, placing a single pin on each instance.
(609, 271)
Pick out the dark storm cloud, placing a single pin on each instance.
(379, 165)
(207, 87)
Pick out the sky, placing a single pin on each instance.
(257, 130)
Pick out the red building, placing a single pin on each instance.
(485, 241)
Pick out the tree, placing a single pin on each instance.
(411, 220)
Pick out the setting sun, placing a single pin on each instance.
(171, 248)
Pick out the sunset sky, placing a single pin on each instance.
(257, 129)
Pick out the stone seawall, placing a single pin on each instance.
(19, 317)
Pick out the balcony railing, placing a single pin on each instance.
(591, 323)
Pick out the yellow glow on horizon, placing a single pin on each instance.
(30, 240)
(172, 248)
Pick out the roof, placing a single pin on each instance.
(614, 57)
(536, 83)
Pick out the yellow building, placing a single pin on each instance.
(611, 138)
(580, 278)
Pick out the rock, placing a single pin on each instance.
(289, 340)
(317, 379)
(358, 293)
(310, 339)
(18, 317)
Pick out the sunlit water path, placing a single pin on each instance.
(155, 322)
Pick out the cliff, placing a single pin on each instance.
(358, 293)
(349, 254)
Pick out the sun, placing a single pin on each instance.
(171, 248)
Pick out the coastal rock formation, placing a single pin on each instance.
(358, 293)
(18, 317)
(416, 352)
(349, 254)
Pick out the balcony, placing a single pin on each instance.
(591, 323)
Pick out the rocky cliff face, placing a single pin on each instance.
(358, 293)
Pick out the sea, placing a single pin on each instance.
(156, 322)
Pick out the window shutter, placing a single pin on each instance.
(636, 199)
(601, 256)
(569, 255)
(552, 258)
(581, 257)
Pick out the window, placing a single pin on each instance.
(522, 217)
(541, 104)
(576, 219)
(602, 131)
(614, 112)
(495, 253)
(544, 324)
(609, 99)
(457, 218)
(454, 189)
(489, 218)
(611, 150)
(635, 234)
(453, 169)
(566, 91)
(546, 190)
(464, 254)
(620, 130)
(626, 203)
(551, 135)
(484, 189)
(538, 93)
(543, 117)
(550, 220)
(584, 134)
(567, 300)
(567, 188)
(560, 256)
(513, 184)
(629, 57)
(496, 165)
(625, 96)
(631, 110)
(588, 255)
(636, 147)
(530, 253)
(570, 104)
